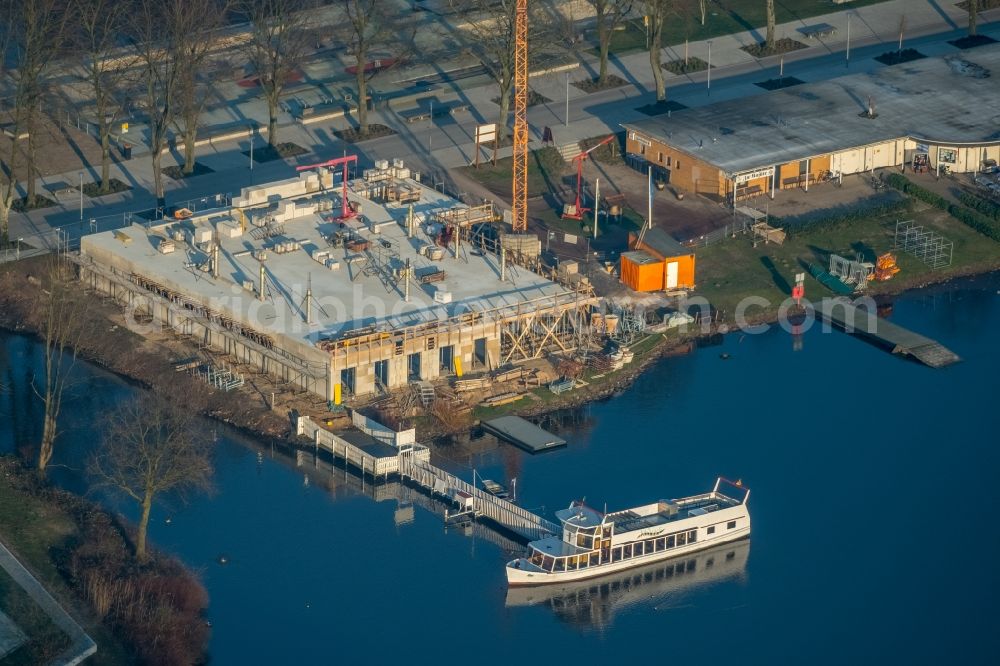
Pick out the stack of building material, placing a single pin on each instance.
(524, 244)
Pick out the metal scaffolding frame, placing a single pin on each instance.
(928, 246)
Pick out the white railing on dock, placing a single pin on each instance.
(340, 448)
(500, 511)
(413, 462)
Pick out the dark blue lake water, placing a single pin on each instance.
(873, 503)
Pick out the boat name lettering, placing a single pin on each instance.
(651, 533)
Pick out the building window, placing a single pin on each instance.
(731, 525)
(678, 165)
(711, 530)
(642, 149)
(659, 157)
(669, 160)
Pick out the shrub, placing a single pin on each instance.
(981, 205)
(971, 218)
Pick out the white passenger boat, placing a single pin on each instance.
(596, 601)
(594, 543)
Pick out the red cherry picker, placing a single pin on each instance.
(577, 211)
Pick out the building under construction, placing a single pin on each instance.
(343, 286)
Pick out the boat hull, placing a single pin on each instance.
(524, 577)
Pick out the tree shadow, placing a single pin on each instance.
(779, 280)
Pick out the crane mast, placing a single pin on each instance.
(519, 188)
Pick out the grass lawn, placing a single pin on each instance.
(545, 171)
(724, 17)
(630, 221)
(731, 270)
(33, 530)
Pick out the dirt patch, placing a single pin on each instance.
(114, 186)
(21, 205)
(533, 99)
(177, 172)
(899, 57)
(778, 84)
(593, 85)
(972, 41)
(685, 66)
(375, 131)
(661, 107)
(783, 45)
(279, 152)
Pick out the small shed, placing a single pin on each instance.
(677, 261)
(640, 271)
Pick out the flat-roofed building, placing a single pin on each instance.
(410, 288)
(932, 113)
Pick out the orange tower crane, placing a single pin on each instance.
(519, 188)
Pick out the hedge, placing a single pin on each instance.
(981, 205)
(985, 225)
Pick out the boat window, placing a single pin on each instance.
(606, 544)
(607, 531)
(616, 554)
(628, 550)
(681, 539)
(595, 558)
(731, 524)
(661, 543)
(692, 536)
(637, 548)
(584, 541)
(711, 530)
(560, 564)
(547, 563)
(670, 541)
(536, 558)
(583, 561)
(650, 545)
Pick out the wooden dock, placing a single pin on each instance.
(523, 433)
(411, 461)
(847, 316)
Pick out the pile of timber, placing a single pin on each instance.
(502, 399)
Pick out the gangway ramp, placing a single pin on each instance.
(848, 316)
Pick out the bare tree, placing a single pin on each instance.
(171, 38)
(105, 67)
(62, 329)
(151, 447)
(656, 17)
(769, 38)
(491, 40)
(703, 9)
(370, 25)
(609, 15)
(280, 33)
(973, 17)
(36, 31)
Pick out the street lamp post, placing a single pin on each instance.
(708, 86)
(566, 118)
(847, 60)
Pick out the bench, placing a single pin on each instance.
(817, 31)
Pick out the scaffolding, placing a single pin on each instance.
(928, 246)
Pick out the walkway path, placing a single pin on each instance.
(82, 646)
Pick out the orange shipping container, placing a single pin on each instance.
(641, 272)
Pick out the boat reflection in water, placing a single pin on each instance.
(595, 601)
